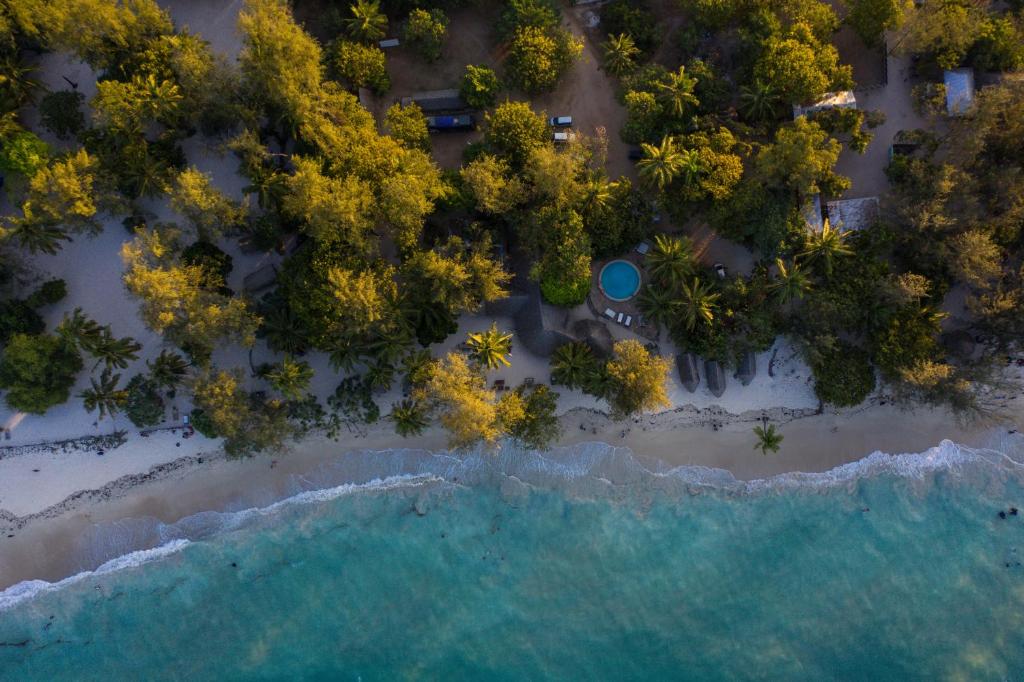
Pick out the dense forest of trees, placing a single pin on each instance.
(393, 250)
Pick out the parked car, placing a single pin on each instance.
(560, 121)
(563, 136)
(437, 124)
(720, 270)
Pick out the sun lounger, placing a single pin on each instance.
(642, 248)
(609, 313)
(619, 318)
(629, 320)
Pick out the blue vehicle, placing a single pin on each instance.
(436, 124)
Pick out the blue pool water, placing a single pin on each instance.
(578, 564)
(620, 280)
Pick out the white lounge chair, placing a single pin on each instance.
(629, 320)
(619, 318)
(642, 248)
(609, 313)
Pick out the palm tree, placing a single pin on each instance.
(825, 246)
(144, 174)
(670, 261)
(620, 53)
(697, 303)
(791, 283)
(167, 370)
(85, 332)
(675, 93)
(660, 164)
(37, 236)
(115, 352)
(410, 417)
(380, 375)
(691, 167)
(768, 438)
(573, 365)
(760, 101)
(367, 22)
(281, 328)
(290, 378)
(597, 192)
(104, 395)
(17, 85)
(489, 348)
(657, 304)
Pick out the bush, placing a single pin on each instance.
(622, 16)
(144, 406)
(18, 317)
(425, 32)
(202, 423)
(38, 371)
(844, 377)
(23, 153)
(408, 125)
(563, 292)
(61, 113)
(215, 263)
(52, 291)
(361, 66)
(537, 58)
(480, 86)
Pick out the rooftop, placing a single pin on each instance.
(959, 90)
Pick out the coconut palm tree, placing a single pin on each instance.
(825, 246)
(657, 303)
(620, 53)
(675, 93)
(410, 417)
(491, 347)
(83, 331)
(380, 374)
(670, 261)
(768, 439)
(290, 378)
(660, 164)
(37, 236)
(760, 101)
(115, 352)
(791, 282)
(691, 167)
(17, 86)
(573, 365)
(104, 395)
(367, 22)
(167, 370)
(697, 303)
(597, 192)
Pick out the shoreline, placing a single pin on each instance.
(46, 542)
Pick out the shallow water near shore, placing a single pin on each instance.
(583, 564)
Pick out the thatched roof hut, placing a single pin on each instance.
(689, 374)
(595, 334)
(714, 375)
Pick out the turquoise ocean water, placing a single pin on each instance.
(578, 564)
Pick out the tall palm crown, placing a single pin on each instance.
(491, 347)
(675, 93)
(572, 365)
(291, 378)
(825, 246)
(367, 22)
(660, 164)
(657, 303)
(620, 53)
(697, 303)
(760, 101)
(768, 439)
(104, 395)
(670, 261)
(410, 417)
(114, 352)
(82, 330)
(37, 236)
(791, 283)
(691, 167)
(168, 369)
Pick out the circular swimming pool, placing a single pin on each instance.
(620, 280)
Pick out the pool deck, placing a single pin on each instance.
(599, 302)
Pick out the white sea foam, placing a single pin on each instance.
(15, 594)
(592, 469)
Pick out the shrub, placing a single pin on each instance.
(361, 66)
(564, 292)
(202, 423)
(144, 406)
(52, 291)
(408, 125)
(480, 86)
(23, 153)
(622, 16)
(538, 58)
(425, 32)
(38, 371)
(215, 263)
(18, 317)
(61, 113)
(844, 376)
